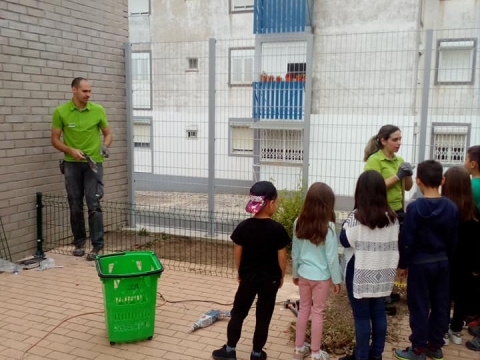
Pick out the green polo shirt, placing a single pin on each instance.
(387, 167)
(476, 191)
(81, 128)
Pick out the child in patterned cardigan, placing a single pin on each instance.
(370, 238)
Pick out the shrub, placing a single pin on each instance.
(289, 206)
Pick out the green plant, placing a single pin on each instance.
(143, 232)
(289, 205)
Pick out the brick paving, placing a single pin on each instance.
(57, 314)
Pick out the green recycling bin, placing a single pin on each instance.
(130, 293)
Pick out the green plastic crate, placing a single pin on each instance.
(130, 293)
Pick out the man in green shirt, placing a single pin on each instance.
(80, 121)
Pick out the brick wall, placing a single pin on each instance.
(43, 46)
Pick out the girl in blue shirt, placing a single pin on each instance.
(315, 265)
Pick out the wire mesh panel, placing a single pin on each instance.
(179, 238)
(454, 97)
(212, 117)
(366, 80)
(4, 248)
(361, 82)
(170, 115)
(358, 82)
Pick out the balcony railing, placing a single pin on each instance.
(280, 16)
(283, 100)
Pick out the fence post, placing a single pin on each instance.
(425, 96)
(211, 135)
(130, 147)
(39, 253)
(307, 113)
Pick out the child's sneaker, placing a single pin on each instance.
(262, 356)
(474, 344)
(474, 330)
(455, 337)
(223, 354)
(446, 339)
(409, 354)
(436, 354)
(322, 355)
(303, 352)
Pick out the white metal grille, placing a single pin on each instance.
(449, 148)
(281, 145)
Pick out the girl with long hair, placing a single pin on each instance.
(465, 276)
(315, 266)
(370, 238)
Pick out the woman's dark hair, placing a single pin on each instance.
(375, 142)
(371, 204)
(317, 212)
(458, 188)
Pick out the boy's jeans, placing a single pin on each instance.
(247, 289)
(428, 298)
(80, 182)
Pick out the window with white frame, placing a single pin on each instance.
(450, 144)
(141, 80)
(281, 145)
(241, 139)
(142, 133)
(241, 5)
(139, 7)
(241, 66)
(456, 61)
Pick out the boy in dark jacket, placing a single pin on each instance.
(427, 243)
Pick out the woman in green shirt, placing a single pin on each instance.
(380, 155)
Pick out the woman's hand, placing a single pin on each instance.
(402, 274)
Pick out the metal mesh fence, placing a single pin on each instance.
(293, 109)
(367, 80)
(212, 117)
(4, 249)
(179, 239)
